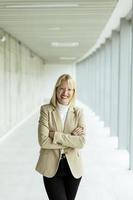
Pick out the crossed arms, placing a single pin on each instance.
(59, 140)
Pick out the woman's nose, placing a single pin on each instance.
(65, 91)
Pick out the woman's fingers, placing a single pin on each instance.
(78, 131)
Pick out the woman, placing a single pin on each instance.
(61, 132)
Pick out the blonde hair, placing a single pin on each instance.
(70, 81)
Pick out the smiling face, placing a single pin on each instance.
(64, 92)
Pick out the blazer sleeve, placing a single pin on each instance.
(44, 140)
(73, 141)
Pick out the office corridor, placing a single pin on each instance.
(106, 174)
(92, 41)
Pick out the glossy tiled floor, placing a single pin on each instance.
(106, 175)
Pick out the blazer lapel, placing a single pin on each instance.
(57, 120)
(69, 118)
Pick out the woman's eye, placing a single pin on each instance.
(65, 89)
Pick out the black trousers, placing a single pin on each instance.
(63, 186)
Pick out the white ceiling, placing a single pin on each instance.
(37, 27)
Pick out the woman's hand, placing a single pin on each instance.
(78, 131)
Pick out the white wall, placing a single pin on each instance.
(21, 81)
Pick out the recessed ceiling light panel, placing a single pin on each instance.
(67, 58)
(65, 44)
(66, 5)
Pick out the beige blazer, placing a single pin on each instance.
(50, 151)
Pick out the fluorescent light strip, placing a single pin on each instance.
(64, 44)
(43, 6)
(67, 58)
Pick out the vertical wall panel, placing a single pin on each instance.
(131, 114)
(124, 86)
(97, 71)
(92, 72)
(7, 82)
(102, 82)
(82, 74)
(107, 84)
(2, 87)
(114, 83)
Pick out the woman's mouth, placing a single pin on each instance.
(64, 97)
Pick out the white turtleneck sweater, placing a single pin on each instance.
(62, 109)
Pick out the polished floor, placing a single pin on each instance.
(106, 174)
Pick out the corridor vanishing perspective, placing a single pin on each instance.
(93, 42)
